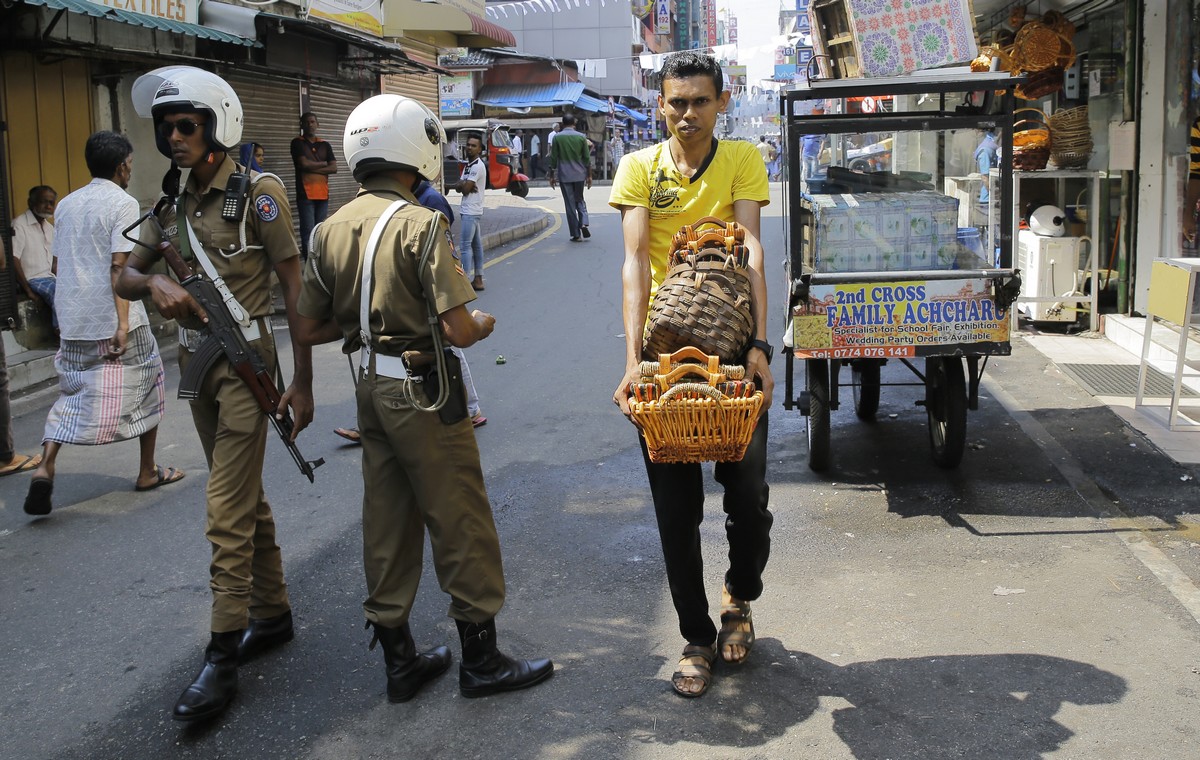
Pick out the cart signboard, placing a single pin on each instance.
(902, 318)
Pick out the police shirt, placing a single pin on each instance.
(399, 318)
(269, 235)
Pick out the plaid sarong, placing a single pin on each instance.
(102, 401)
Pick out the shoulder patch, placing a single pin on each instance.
(450, 242)
(268, 209)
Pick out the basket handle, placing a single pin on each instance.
(1038, 111)
(683, 370)
(701, 388)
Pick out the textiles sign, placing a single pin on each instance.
(183, 11)
(360, 15)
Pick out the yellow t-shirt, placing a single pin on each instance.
(648, 178)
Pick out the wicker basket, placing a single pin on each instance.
(1030, 159)
(709, 419)
(1031, 132)
(1039, 46)
(704, 300)
(1041, 83)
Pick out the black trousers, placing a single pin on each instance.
(678, 491)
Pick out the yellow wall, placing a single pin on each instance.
(49, 112)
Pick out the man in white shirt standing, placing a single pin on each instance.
(110, 374)
(33, 237)
(535, 155)
(470, 211)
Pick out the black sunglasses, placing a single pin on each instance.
(187, 127)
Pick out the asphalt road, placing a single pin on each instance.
(1038, 601)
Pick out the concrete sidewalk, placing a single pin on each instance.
(506, 219)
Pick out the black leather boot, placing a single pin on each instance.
(215, 684)
(486, 670)
(408, 671)
(264, 634)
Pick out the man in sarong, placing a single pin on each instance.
(110, 374)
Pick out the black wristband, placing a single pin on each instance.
(765, 347)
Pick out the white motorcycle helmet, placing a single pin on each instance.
(1048, 221)
(393, 132)
(173, 89)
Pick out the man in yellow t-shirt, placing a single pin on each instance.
(658, 189)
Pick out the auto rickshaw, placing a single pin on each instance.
(504, 166)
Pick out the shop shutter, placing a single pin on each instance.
(332, 102)
(419, 85)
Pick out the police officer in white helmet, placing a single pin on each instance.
(383, 277)
(197, 120)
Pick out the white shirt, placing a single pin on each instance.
(89, 222)
(472, 203)
(517, 146)
(31, 244)
(535, 145)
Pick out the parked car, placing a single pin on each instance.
(504, 167)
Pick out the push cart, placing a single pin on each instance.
(897, 262)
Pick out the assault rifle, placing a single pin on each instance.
(225, 338)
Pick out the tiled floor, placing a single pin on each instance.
(1151, 418)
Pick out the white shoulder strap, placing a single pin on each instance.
(235, 309)
(364, 309)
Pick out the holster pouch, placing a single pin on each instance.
(455, 408)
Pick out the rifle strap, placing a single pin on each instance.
(192, 245)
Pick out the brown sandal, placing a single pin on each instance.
(696, 662)
(735, 620)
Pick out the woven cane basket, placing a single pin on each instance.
(692, 408)
(704, 300)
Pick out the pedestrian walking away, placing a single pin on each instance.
(471, 185)
(197, 121)
(315, 162)
(33, 243)
(421, 465)
(657, 190)
(571, 166)
(110, 374)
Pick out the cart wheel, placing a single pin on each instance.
(866, 388)
(817, 371)
(946, 405)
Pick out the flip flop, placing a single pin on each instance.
(37, 501)
(696, 662)
(478, 420)
(350, 434)
(163, 476)
(21, 463)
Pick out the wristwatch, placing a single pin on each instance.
(765, 347)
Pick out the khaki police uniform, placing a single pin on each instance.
(418, 473)
(247, 567)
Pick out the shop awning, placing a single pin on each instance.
(471, 29)
(83, 7)
(640, 118)
(588, 103)
(531, 95)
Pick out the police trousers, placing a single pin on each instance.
(246, 572)
(418, 475)
(678, 491)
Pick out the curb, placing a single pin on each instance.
(528, 229)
